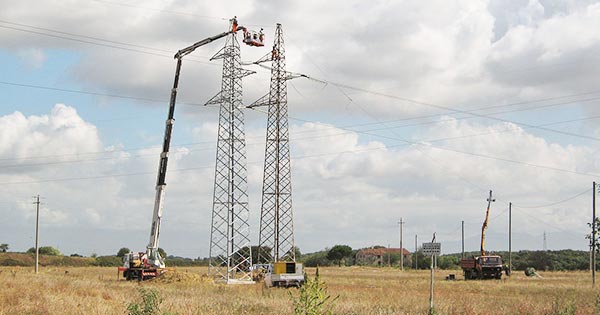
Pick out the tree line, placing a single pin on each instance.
(344, 255)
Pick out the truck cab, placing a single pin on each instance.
(482, 267)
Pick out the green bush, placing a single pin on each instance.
(45, 250)
(313, 298)
(149, 304)
(108, 261)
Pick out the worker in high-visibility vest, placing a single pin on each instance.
(234, 24)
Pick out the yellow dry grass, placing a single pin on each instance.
(95, 290)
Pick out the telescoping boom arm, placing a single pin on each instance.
(485, 223)
(152, 248)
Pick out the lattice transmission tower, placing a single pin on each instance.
(276, 236)
(230, 251)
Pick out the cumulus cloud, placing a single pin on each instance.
(349, 184)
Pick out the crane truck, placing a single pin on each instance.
(149, 264)
(484, 266)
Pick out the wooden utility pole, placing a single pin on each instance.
(401, 223)
(509, 238)
(594, 235)
(462, 255)
(37, 231)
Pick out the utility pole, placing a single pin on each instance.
(431, 311)
(37, 231)
(401, 223)
(462, 255)
(594, 235)
(416, 254)
(509, 238)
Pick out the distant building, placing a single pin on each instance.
(381, 256)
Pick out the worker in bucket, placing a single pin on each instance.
(234, 24)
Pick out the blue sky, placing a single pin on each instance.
(365, 150)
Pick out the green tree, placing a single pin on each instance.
(338, 253)
(46, 250)
(595, 226)
(265, 254)
(3, 248)
(123, 251)
(316, 259)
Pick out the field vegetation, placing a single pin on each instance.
(352, 290)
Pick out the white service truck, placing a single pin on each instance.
(284, 274)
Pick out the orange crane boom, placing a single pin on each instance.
(485, 223)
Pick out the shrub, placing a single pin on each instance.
(313, 298)
(149, 304)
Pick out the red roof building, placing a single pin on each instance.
(380, 256)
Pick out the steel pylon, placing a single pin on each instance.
(230, 251)
(276, 236)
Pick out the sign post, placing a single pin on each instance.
(431, 249)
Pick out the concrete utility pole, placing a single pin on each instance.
(37, 231)
(509, 238)
(431, 268)
(594, 235)
(462, 255)
(416, 254)
(401, 223)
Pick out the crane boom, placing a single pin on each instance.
(152, 254)
(485, 223)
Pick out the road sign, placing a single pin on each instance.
(432, 249)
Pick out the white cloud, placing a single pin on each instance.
(347, 186)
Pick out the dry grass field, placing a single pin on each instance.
(95, 290)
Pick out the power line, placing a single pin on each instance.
(339, 85)
(453, 110)
(86, 36)
(472, 154)
(554, 203)
(94, 41)
(550, 225)
(162, 10)
(407, 142)
(327, 127)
